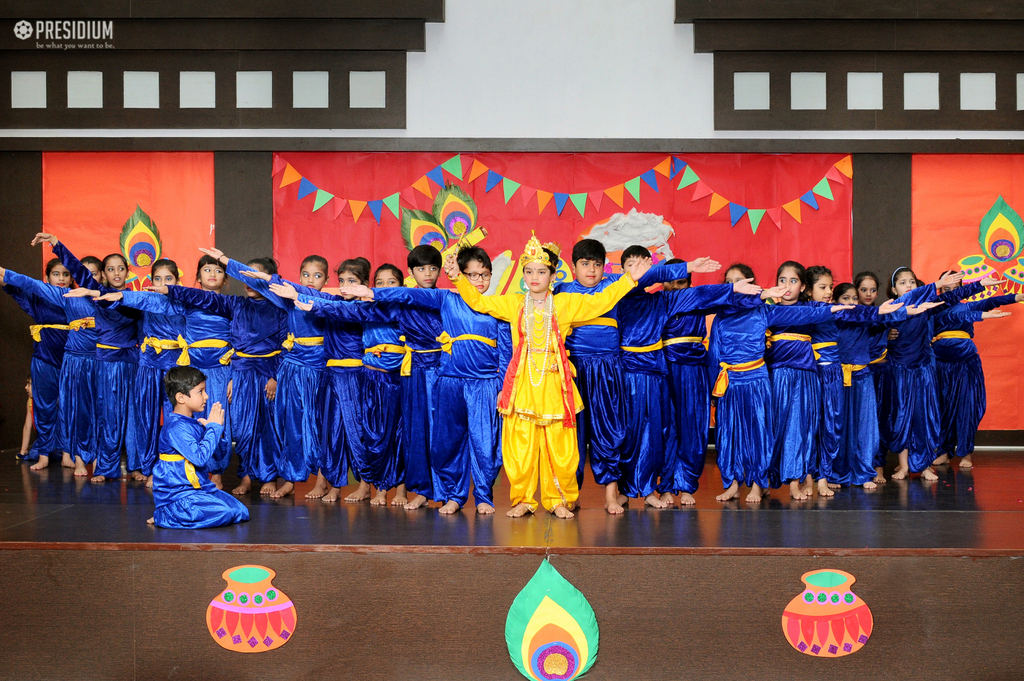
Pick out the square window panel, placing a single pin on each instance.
(1020, 92)
(977, 92)
(85, 89)
(28, 89)
(807, 91)
(751, 91)
(254, 89)
(197, 89)
(863, 90)
(142, 89)
(367, 89)
(921, 91)
(310, 89)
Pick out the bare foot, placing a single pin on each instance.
(449, 508)
(732, 493)
(400, 498)
(268, 489)
(217, 480)
(900, 473)
(966, 462)
(879, 475)
(362, 493)
(652, 500)
(417, 501)
(244, 487)
(43, 462)
(562, 512)
(686, 499)
(80, 470)
(834, 485)
(756, 494)
(484, 509)
(98, 478)
(823, 488)
(67, 461)
(808, 487)
(284, 490)
(149, 481)
(319, 489)
(796, 493)
(870, 485)
(929, 475)
(151, 521)
(380, 498)
(613, 500)
(518, 511)
(332, 496)
(137, 476)
(622, 500)
(669, 500)
(944, 459)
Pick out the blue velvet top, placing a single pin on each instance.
(156, 325)
(43, 310)
(913, 346)
(199, 325)
(197, 443)
(961, 317)
(738, 334)
(379, 323)
(82, 342)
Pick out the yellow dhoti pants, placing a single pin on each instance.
(527, 447)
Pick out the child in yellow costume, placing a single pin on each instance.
(538, 399)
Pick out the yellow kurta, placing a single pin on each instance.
(533, 434)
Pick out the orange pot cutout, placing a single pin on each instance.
(827, 619)
(251, 615)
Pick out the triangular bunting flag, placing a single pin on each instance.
(689, 177)
(560, 200)
(322, 197)
(306, 188)
(755, 215)
(775, 215)
(436, 176)
(736, 211)
(651, 179)
(375, 208)
(596, 198)
(664, 167)
(809, 199)
(718, 202)
(510, 187)
(476, 171)
(357, 209)
(836, 176)
(633, 187)
(467, 162)
(823, 190)
(793, 208)
(410, 197)
(542, 200)
(392, 203)
(279, 165)
(526, 193)
(845, 166)
(454, 166)
(580, 201)
(677, 167)
(615, 194)
(700, 191)
(423, 187)
(339, 205)
(493, 179)
(290, 175)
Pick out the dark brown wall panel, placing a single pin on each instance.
(689, 10)
(21, 216)
(244, 205)
(429, 10)
(881, 214)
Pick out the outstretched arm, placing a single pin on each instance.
(501, 307)
(994, 302)
(343, 310)
(79, 272)
(27, 285)
(214, 303)
(579, 307)
(428, 298)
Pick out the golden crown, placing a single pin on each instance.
(534, 252)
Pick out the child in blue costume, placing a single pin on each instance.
(382, 361)
(78, 370)
(866, 285)
(184, 496)
(642, 318)
(961, 378)
(914, 420)
(594, 350)
(464, 443)
(299, 407)
(49, 335)
(744, 429)
(258, 328)
(117, 339)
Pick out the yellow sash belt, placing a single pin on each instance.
(158, 344)
(83, 323)
(645, 348)
(406, 369)
(600, 321)
(190, 470)
(848, 371)
(819, 346)
(446, 341)
(881, 358)
(36, 328)
(951, 334)
(184, 360)
(104, 346)
(230, 354)
(683, 339)
(803, 337)
(722, 382)
(378, 350)
(344, 362)
(291, 341)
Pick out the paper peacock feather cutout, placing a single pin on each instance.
(141, 247)
(452, 217)
(551, 630)
(1002, 232)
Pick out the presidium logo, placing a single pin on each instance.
(65, 30)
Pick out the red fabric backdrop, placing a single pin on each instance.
(755, 181)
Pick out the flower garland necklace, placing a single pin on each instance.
(533, 340)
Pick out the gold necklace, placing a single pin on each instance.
(533, 340)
